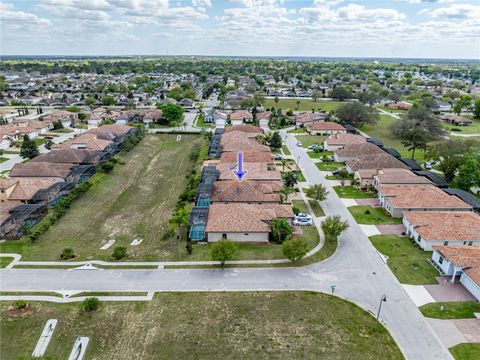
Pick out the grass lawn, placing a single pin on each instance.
(302, 207)
(299, 130)
(317, 209)
(286, 151)
(304, 105)
(260, 325)
(300, 176)
(63, 131)
(329, 166)
(319, 154)
(381, 130)
(308, 140)
(452, 310)
(370, 215)
(200, 122)
(11, 152)
(409, 263)
(465, 351)
(4, 261)
(3, 159)
(350, 192)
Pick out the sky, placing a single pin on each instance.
(339, 28)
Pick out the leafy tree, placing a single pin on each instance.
(276, 140)
(108, 100)
(469, 172)
(29, 148)
(476, 109)
(317, 192)
(462, 102)
(48, 144)
(119, 252)
(369, 97)
(90, 304)
(223, 251)
(173, 113)
(57, 125)
(89, 101)
(281, 230)
(418, 116)
(415, 138)
(341, 93)
(356, 114)
(180, 219)
(294, 249)
(290, 179)
(333, 226)
(316, 94)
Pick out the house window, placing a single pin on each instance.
(440, 260)
(445, 243)
(246, 234)
(224, 236)
(464, 243)
(470, 243)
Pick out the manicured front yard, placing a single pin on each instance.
(329, 166)
(303, 105)
(409, 263)
(286, 151)
(451, 310)
(200, 122)
(466, 351)
(319, 154)
(369, 215)
(350, 192)
(302, 207)
(236, 325)
(308, 140)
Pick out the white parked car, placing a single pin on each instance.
(303, 222)
(299, 143)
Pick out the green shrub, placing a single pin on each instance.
(90, 304)
(367, 212)
(21, 304)
(167, 235)
(67, 253)
(119, 253)
(107, 167)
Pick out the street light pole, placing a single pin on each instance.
(382, 299)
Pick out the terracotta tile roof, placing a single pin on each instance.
(364, 148)
(264, 115)
(474, 274)
(345, 139)
(25, 188)
(244, 128)
(115, 129)
(245, 218)
(239, 115)
(246, 191)
(248, 156)
(41, 169)
(445, 225)
(400, 176)
(375, 161)
(421, 197)
(366, 173)
(153, 114)
(460, 256)
(326, 125)
(89, 140)
(256, 171)
(237, 141)
(309, 117)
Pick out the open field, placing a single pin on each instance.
(409, 263)
(465, 351)
(304, 105)
(254, 325)
(350, 192)
(135, 201)
(370, 215)
(451, 310)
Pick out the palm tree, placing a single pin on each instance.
(281, 229)
(180, 219)
(333, 226)
(284, 162)
(285, 191)
(317, 192)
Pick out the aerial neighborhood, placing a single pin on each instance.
(199, 162)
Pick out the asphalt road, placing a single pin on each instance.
(356, 269)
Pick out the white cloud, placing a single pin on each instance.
(458, 11)
(20, 19)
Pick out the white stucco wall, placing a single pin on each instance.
(468, 283)
(239, 237)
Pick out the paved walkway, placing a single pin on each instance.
(446, 291)
(359, 273)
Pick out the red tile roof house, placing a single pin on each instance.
(256, 171)
(460, 260)
(430, 228)
(244, 222)
(21, 190)
(326, 128)
(309, 118)
(398, 176)
(397, 199)
(263, 118)
(42, 170)
(339, 141)
(244, 128)
(249, 156)
(374, 161)
(353, 151)
(247, 191)
(241, 116)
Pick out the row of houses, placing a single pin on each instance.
(435, 217)
(43, 181)
(238, 210)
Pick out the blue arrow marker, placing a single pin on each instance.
(239, 173)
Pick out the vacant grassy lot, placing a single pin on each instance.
(303, 105)
(409, 263)
(350, 192)
(369, 215)
(254, 325)
(308, 140)
(135, 201)
(451, 310)
(466, 351)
